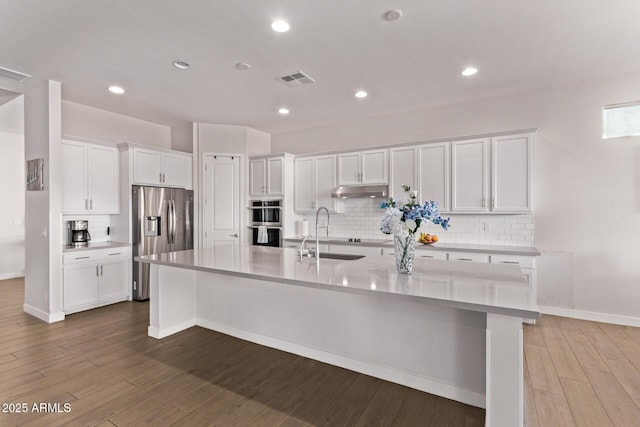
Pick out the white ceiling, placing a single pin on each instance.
(345, 45)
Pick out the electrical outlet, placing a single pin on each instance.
(44, 232)
(487, 227)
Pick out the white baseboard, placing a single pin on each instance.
(165, 332)
(389, 374)
(591, 315)
(43, 315)
(5, 276)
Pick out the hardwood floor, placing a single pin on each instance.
(103, 364)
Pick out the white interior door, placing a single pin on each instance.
(221, 204)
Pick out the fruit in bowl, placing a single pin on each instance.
(427, 238)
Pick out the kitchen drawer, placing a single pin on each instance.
(96, 254)
(522, 261)
(431, 254)
(468, 256)
(355, 249)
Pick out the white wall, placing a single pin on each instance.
(43, 278)
(93, 123)
(586, 189)
(182, 137)
(13, 178)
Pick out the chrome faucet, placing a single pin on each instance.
(318, 228)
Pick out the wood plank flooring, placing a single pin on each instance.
(103, 364)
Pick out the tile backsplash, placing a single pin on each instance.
(362, 219)
(97, 226)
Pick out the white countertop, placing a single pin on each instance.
(96, 245)
(440, 246)
(491, 288)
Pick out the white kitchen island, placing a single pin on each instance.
(453, 329)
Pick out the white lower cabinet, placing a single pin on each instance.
(93, 278)
(468, 256)
(355, 249)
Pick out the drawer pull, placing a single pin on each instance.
(82, 257)
(510, 262)
(116, 253)
(426, 256)
(465, 259)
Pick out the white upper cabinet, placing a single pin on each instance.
(90, 176)
(258, 177)
(402, 171)
(304, 197)
(325, 183)
(493, 175)
(470, 175)
(366, 167)
(512, 161)
(266, 176)
(315, 180)
(103, 179)
(275, 177)
(434, 174)
(160, 168)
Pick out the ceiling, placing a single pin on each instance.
(408, 64)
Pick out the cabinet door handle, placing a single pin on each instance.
(86, 204)
(116, 253)
(101, 273)
(493, 202)
(90, 204)
(510, 262)
(97, 271)
(233, 235)
(82, 257)
(160, 177)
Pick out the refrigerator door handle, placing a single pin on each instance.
(169, 223)
(175, 220)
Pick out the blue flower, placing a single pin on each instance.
(411, 211)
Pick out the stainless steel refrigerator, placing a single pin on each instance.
(162, 222)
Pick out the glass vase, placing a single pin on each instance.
(405, 250)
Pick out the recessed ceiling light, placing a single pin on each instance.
(183, 65)
(283, 111)
(361, 94)
(393, 15)
(469, 71)
(116, 89)
(280, 26)
(243, 66)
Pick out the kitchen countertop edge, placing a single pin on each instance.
(95, 246)
(443, 247)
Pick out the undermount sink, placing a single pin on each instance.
(346, 257)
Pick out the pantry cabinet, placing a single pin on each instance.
(363, 167)
(90, 176)
(315, 180)
(161, 168)
(266, 176)
(93, 278)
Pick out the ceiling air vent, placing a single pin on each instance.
(296, 79)
(13, 75)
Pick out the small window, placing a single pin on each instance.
(621, 120)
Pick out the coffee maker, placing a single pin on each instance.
(78, 233)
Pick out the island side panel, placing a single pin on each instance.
(432, 348)
(172, 300)
(505, 376)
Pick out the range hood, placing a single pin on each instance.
(360, 191)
